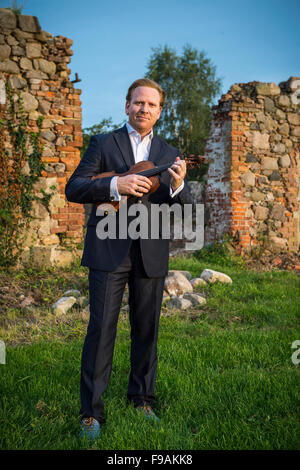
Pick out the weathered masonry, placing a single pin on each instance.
(252, 190)
(35, 64)
(252, 187)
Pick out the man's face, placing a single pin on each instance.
(144, 109)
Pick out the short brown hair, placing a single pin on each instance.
(149, 83)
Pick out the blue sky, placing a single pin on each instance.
(245, 40)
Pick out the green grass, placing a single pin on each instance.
(225, 376)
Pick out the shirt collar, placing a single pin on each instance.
(131, 130)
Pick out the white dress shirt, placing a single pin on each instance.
(141, 150)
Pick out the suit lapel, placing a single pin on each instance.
(122, 139)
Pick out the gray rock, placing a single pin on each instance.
(11, 41)
(60, 167)
(258, 196)
(211, 276)
(8, 19)
(36, 74)
(196, 299)
(269, 163)
(248, 179)
(25, 64)
(296, 131)
(4, 52)
(197, 281)
(284, 101)
(179, 303)
(22, 36)
(275, 176)
(288, 144)
(260, 140)
(30, 103)
(278, 244)
(284, 129)
(43, 36)
(29, 23)
(267, 89)
(9, 66)
(294, 119)
(250, 158)
(48, 135)
(262, 180)
(17, 82)
(44, 106)
(280, 114)
(187, 274)
(279, 148)
(285, 161)
(63, 305)
(277, 212)
(47, 124)
(254, 126)
(39, 210)
(72, 292)
(47, 66)
(269, 105)
(177, 284)
(33, 50)
(18, 51)
(261, 213)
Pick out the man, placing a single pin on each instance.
(142, 263)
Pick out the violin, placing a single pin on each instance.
(144, 168)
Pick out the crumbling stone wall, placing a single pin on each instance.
(35, 64)
(252, 191)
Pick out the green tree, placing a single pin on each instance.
(104, 126)
(190, 83)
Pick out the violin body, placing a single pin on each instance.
(135, 169)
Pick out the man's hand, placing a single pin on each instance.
(178, 172)
(135, 185)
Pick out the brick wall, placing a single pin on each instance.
(252, 190)
(35, 64)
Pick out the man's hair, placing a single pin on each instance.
(149, 83)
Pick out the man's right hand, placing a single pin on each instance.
(134, 185)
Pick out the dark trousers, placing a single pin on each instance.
(145, 298)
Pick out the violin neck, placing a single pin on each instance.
(156, 170)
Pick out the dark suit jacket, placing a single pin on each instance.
(108, 152)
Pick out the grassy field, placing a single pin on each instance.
(225, 376)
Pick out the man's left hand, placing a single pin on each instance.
(178, 172)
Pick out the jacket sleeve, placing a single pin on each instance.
(80, 188)
(184, 196)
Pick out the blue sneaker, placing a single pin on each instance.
(147, 411)
(90, 428)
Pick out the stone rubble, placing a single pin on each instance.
(211, 276)
(63, 305)
(181, 294)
